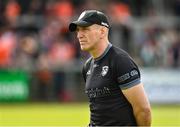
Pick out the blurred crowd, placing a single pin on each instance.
(34, 37)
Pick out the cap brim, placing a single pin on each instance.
(73, 25)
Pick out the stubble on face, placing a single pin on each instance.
(89, 37)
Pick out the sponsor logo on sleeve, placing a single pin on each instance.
(127, 76)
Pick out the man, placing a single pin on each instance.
(116, 95)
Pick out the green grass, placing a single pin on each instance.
(71, 114)
(166, 115)
(44, 114)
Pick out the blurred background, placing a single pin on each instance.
(41, 61)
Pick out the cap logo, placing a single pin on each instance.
(104, 24)
(81, 16)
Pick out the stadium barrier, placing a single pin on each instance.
(13, 86)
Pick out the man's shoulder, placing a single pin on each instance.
(122, 58)
(118, 52)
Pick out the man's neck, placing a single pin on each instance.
(99, 49)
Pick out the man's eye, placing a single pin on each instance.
(86, 28)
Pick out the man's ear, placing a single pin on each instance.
(103, 32)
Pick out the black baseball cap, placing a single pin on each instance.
(89, 17)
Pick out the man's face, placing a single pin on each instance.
(88, 37)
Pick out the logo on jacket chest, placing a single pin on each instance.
(104, 70)
(100, 71)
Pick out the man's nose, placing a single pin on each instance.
(79, 34)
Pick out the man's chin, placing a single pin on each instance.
(84, 49)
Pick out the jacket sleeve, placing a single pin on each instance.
(127, 72)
